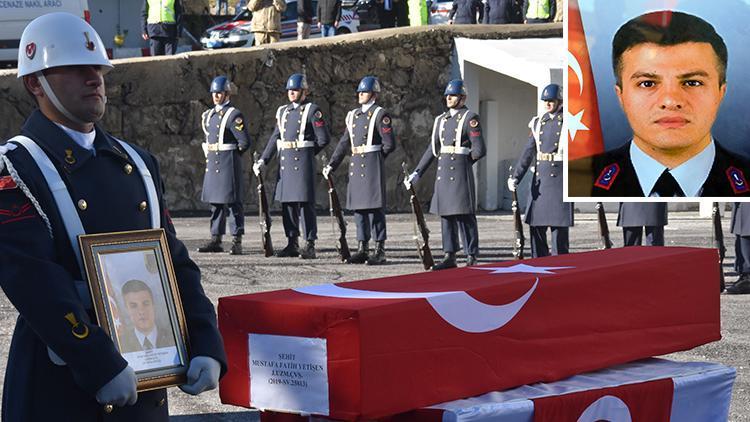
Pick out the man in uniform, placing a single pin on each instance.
(546, 207)
(457, 143)
(741, 229)
(226, 140)
(66, 176)
(299, 135)
(370, 138)
(634, 216)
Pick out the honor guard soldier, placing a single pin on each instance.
(457, 143)
(634, 216)
(543, 151)
(226, 140)
(65, 176)
(300, 134)
(370, 138)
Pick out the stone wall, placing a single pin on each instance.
(157, 102)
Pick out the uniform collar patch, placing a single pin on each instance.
(737, 180)
(607, 176)
(7, 183)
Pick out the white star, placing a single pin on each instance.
(521, 268)
(575, 124)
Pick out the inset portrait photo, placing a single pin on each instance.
(655, 100)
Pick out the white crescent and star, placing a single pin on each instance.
(606, 408)
(457, 308)
(575, 122)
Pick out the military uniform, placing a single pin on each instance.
(740, 227)
(369, 137)
(545, 207)
(40, 272)
(457, 143)
(299, 135)
(634, 216)
(226, 140)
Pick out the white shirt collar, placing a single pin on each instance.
(367, 105)
(85, 140)
(453, 111)
(690, 175)
(218, 107)
(151, 336)
(294, 106)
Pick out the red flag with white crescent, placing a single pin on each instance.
(646, 401)
(584, 127)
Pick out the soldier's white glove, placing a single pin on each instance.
(120, 390)
(258, 167)
(411, 180)
(512, 184)
(326, 171)
(202, 375)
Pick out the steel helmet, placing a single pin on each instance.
(221, 84)
(369, 84)
(296, 81)
(59, 39)
(551, 92)
(455, 87)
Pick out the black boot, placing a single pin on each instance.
(361, 256)
(236, 245)
(308, 252)
(292, 248)
(471, 260)
(448, 262)
(378, 257)
(741, 286)
(214, 245)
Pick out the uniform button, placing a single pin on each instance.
(351, 174)
(217, 170)
(128, 168)
(296, 168)
(206, 170)
(552, 175)
(161, 403)
(453, 168)
(557, 133)
(282, 167)
(363, 165)
(439, 168)
(452, 179)
(108, 408)
(354, 125)
(541, 132)
(299, 121)
(296, 158)
(363, 175)
(282, 158)
(440, 157)
(216, 162)
(351, 165)
(143, 206)
(554, 165)
(361, 155)
(296, 149)
(453, 158)
(558, 123)
(82, 205)
(438, 177)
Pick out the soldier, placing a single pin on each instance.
(457, 143)
(741, 230)
(226, 140)
(299, 135)
(546, 207)
(370, 138)
(63, 177)
(634, 216)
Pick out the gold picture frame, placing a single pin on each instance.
(137, 302)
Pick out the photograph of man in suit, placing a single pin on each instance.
(670, 71)
(144, 334)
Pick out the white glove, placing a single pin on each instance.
(202, 375)
(258, 167)
(120, 390)
(512, 184)
(326, 171)
(410, 180)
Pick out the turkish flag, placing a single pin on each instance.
(648, 401)
(584, 127)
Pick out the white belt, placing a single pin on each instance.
(294, 144)
(367, 148)
(549, 156)
(450, 149)
(219, 147)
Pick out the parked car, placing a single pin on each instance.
(237, 32)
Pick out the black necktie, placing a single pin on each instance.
(666, 186)
(147, 344)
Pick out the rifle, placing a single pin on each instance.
(603, 227)
(421, 232)
(264, 217)
(718, 235)
(518, 228)
(337, 218)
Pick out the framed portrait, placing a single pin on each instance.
(137, 302)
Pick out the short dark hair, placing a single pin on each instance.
(133, 286)
(667, 28)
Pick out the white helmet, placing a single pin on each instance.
(59, 39)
